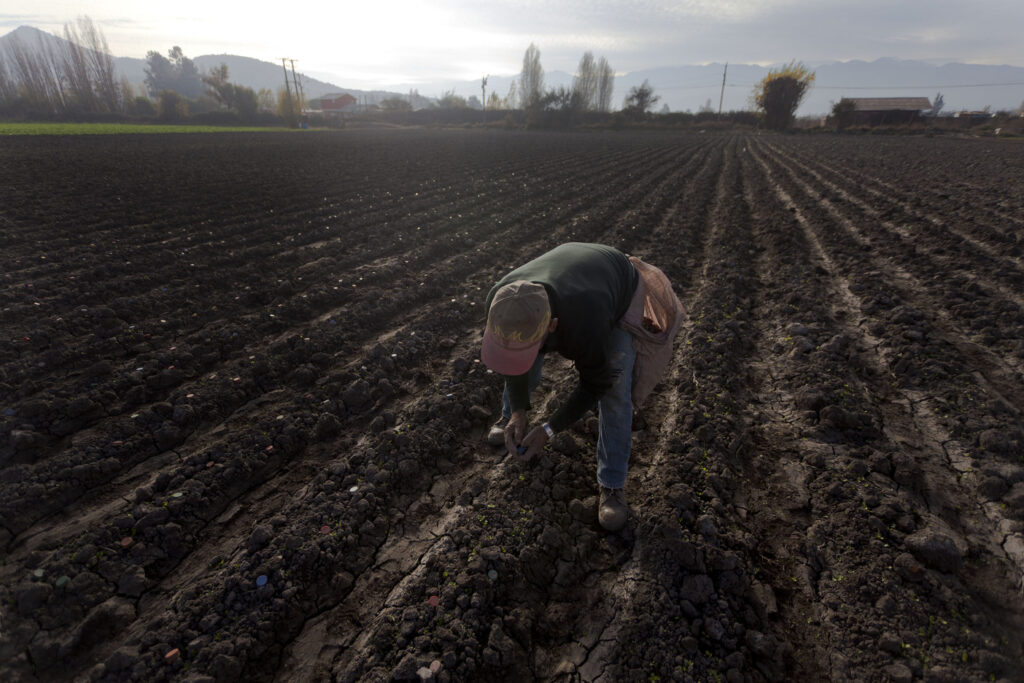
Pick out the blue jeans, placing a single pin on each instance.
(615, 410)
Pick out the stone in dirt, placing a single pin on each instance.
(226, 668)
(133, 583)
(24, 439)
(908, 568)
(357, 394)
(407, 669)
(811, 398)
(995, 441)
(260, 537)
(501, 649)
(327, 426)
(698, 589)
(899, 673)
(889, 642)
(838, 417)
(1015, 498)
(992, 488)
(761, 645)
(479, 412)
(32, 596)
(105, 620)
(935, 550)
(763, 598)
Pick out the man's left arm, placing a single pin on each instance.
(593, 383)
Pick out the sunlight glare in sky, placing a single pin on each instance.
(411, 41)
(388, 40)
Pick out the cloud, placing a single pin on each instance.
(404, 40)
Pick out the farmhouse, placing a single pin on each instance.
(874, 111)
(334, 103)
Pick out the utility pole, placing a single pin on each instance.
(722, 96)
(483, 96)
(298, 85)
(287, 87)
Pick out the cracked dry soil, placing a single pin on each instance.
(242, 417)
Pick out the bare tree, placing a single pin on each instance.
(531, 81)
(75, 64)
(585, 83)
(54, 76)
(105, 84)
(605, 85)
(35, 75)
(513, 95)
(8, 89)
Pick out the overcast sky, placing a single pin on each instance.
(382, 42)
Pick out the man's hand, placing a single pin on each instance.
(515, 430)
(534, 443)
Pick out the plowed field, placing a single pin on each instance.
(243, 416)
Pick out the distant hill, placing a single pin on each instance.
(252, 73)
(964, 86)
(31, 37)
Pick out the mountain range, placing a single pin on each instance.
(680, 88)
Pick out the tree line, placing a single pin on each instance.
(775, 99)
(591, 88)
(76, 78)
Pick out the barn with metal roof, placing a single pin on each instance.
(882, 110)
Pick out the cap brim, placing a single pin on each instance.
(507, 361)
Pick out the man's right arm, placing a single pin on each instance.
(519, 402)
(518, 391)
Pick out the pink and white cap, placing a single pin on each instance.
(517, 323)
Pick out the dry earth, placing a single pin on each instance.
(242, 413)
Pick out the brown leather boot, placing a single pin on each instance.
(496, 435)
(612, 511)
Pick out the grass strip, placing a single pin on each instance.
(122, 128)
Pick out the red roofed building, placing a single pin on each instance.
(336, 102)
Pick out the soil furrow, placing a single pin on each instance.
(378, 316)
(257, 453)
(902, 445)
(900, 216)
(999, 327)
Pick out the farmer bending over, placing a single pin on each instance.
(597, 307)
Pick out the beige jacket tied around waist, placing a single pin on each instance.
(654, 317)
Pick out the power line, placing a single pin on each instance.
(850, 87)
(906, 87)
(898, 87)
